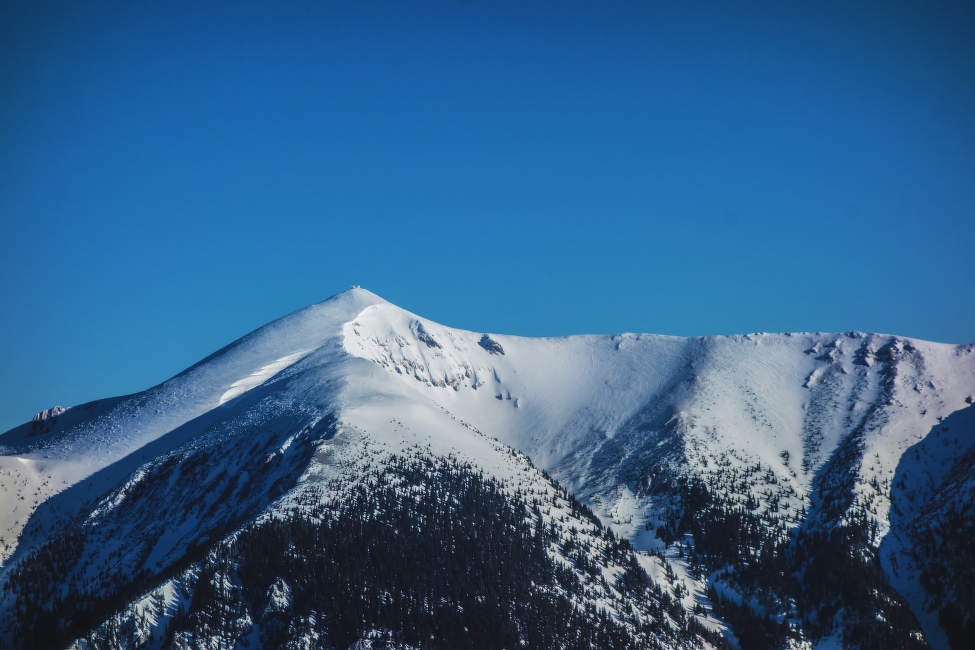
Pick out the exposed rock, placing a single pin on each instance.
(490, 345)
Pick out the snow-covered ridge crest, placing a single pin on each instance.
(426, 351)
(786, 399)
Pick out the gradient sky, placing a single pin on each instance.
(173, 177)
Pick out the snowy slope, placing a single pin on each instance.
(89, 437)
(805, 430)
(802, 432)
(928, 553)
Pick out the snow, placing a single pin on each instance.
(922, 477)
(587, 404)
(90, 437)
(146, 618)
(259, 376)
(601, 413)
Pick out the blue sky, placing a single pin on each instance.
(173, 177)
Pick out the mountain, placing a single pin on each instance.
(356, 475)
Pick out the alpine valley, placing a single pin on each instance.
(355, 475)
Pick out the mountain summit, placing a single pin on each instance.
(353, 473)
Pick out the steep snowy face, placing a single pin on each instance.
(603, 411)
(928, 554)
(536, 393)
(784, 401)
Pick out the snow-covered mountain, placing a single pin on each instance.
(765, 490)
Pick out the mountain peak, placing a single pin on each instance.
(358, 292)
(661, 438)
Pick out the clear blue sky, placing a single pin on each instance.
(173, 177)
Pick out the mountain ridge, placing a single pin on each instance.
(787, 434)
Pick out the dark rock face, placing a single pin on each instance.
(490, 345)
(424, 336)
(42, 422)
